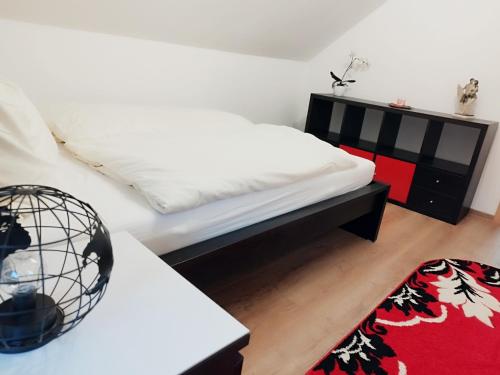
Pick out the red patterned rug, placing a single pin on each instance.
(444, 319)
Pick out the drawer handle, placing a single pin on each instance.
(437, 181)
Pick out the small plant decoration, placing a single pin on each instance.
(341, 83)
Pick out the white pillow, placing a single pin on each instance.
(27, 148)
(72, 122)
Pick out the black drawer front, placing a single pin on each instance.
(439, 181)
(434, 204)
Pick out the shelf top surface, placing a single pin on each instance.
(414, 111)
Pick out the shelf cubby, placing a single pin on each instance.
(445, 165)
(352, 123)
(360, 143)
(411, 134)
(337, 116)
(457, 143)
(333, 138)
(431, 138)
(319, 117)
(397, 153)
(389, 130)
(372, 122)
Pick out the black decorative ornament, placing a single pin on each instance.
(55, 264)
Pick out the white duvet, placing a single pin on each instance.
(181, 159)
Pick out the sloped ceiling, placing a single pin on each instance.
(291, 29)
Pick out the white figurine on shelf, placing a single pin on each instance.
(467, 98)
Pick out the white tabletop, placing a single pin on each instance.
(151, 321)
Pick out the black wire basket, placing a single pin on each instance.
(55, 264)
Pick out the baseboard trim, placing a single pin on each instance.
(482, 214)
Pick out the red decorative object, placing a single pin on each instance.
(442, 319)
(397, 173)
(399, 106)
(358, 152)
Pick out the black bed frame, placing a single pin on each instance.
(359, 212)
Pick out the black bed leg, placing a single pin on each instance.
(367, 226)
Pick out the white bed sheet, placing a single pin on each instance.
(122, 208)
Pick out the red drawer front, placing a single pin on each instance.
(399, 174)
(357, 152)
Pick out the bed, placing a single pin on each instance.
(221, 200)
(347, 199)
(166, 233)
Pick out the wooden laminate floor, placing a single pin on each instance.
(300, 303)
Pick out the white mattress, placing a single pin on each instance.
(122, 208)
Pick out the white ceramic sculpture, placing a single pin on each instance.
(467, 98)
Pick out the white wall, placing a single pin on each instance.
(58, 64)
(420, 50)
(296, 29)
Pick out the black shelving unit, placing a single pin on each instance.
(432, 160)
